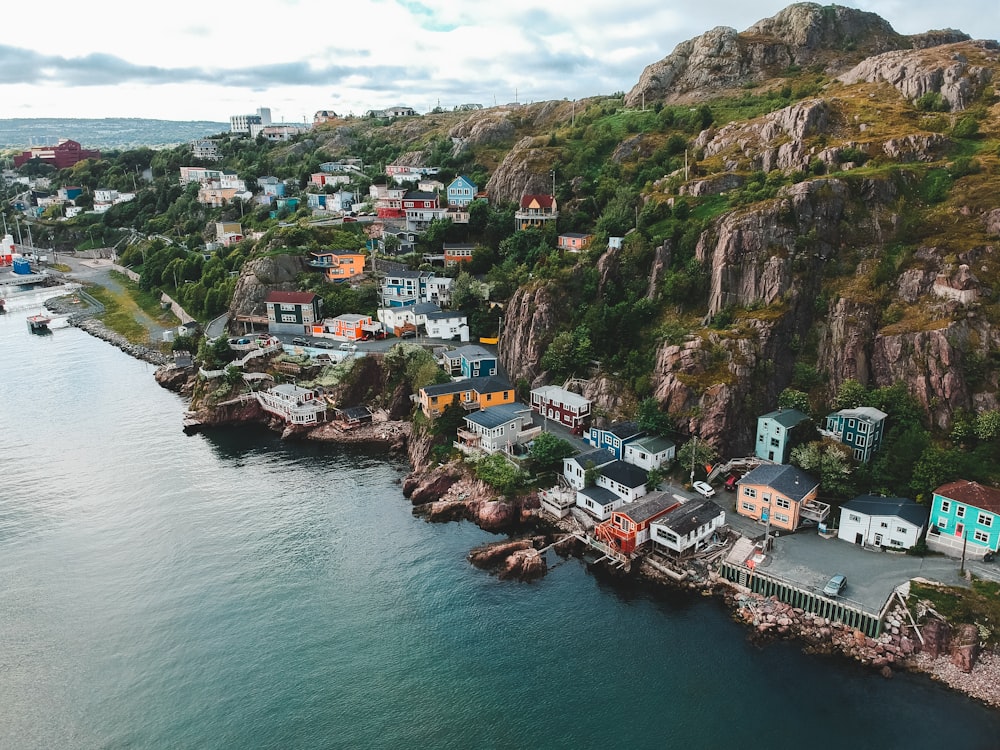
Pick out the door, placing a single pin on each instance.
(878, 540)
(960, 529)
(859, 538)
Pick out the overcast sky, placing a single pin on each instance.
(207, 60)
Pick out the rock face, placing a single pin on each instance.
(801, 34)
(948, 72)
(260, 276)
(525, 169)
(530, 320)
(488, 127)
(965, 647)
(937, 637)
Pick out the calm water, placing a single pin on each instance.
(232, 591)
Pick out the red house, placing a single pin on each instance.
(64, 154)
(567, 408)
(416, 199)
(628, 527)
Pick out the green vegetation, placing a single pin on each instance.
(120, 314)
(979, 604)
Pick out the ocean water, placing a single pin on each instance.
(230, 590)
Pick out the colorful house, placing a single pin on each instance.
(859, 429)
(471, 361)
(574, 242)
(893, 522)
(349, 326)
(615, 437)
(781, 495)
(500, 428)
(688, 527)
(566, 408)
(629, 526)
(475, 393)
(339, 265)
(402, 287)
(965, 520)
(461, 191)
(458, 252)
(774, 433)
(292, 312)
(535, 210)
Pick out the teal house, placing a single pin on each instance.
(461, 191)
(964, 520)
(774, 432)
(859, 429)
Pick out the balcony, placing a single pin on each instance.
(814, 510)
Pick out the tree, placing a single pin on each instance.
(499, 473)
(832, 462)
(696, 453)
(793, 399)
(653, 479)
(850, 395)
(466, 292)
(652, 419)
(569, 352)
(547, 451)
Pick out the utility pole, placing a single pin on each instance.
(694, 452)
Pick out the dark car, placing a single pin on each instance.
(408, 334)
(324, 344)
(299, 341)
(835, 585)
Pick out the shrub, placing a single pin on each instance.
(932, 101)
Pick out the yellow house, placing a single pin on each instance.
(780, 494)
(472, 394)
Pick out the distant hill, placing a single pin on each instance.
(108, 133)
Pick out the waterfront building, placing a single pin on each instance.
(780, 495)
(965, 519)
(500, 428)
(688, 527)
(471, 394)
(575, 468)
(893, 522)
(293, 404)
(629, 526)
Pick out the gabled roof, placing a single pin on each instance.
(291, 298)
(419, 195)
(352, 318)
(866, 413)
(561, 395)
(576, 235)
(624, 430)
(876, 505)
(486, 384)
(462, 178)
(786, 417)
(446, 315)
(625, 474)
(355, 412)
(689, 516)
(649, 507)
(971, 493)
(543, 201)
(598, 458)
(653, 444)
(789, 480)
(600, 495)
(471, 352)
(497, 415)
(423, 308)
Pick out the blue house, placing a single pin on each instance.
(859, 429)
(774, 432)
(472, 361)
(461, 191)
(614, 438)
(402, 287)
(316, 200)
(964, 520)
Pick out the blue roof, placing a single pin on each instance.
(786, 417)
(876, 505)
(497, 415)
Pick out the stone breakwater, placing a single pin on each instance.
(97, 329)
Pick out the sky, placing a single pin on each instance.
(198, 60)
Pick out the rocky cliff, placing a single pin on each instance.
(262, 275)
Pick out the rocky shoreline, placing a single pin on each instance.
(83, 320)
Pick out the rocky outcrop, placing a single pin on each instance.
(801, 34)
(516, 559)
(525, 169)
(949, 71)
(262, 275)
(424, 485)
(965, 647)
(488, 127)
(845, 338)
(530, 320)
(173, 378)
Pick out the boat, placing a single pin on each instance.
(2, 308)
(39, 322)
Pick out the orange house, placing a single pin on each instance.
(628, 527)
(472, 394)
(574, 242)
(351, 327)
(339, 265)
(781, 495)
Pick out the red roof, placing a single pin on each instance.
(294, 298)
(971, 493)
(543, 201)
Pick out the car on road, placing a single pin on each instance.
(835, 585)
(299, 341)
(346, 347)
(704, 489)
(408, 334)
(324, 344)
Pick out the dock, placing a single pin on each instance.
(39, 322)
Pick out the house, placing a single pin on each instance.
(457, 252)
(497, 429)
(63, 155)
(471, 361)
(780, 495)
(965, 519)
(599, 502)
(894, 522)
(402, 287)
(323, 116)
(859, 429)
(629, 526)
(339, 265)
(475, 393)
(322, 179)
(625, 480)
(535, 210)
(447, 325)
(566, 408)
(353, 416)
(576, 467)
(614, 438)
(687, 527)
(399, 319)
(461, 191)
(388, 201)
(293, 404)
(438, 290)
(574, 242)
(349, 326)
(400, 111)
(271, 186)
(204, 149)
(650, 452)
(421, 209)
(188, 175)
(292, 312)
(774, 433)
(227, 228)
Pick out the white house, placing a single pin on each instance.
(649, 452)
(894, 522)
(625, 480)
(395, 319)
(599, 502)
(575, 468)
(447, 325)
(687, 527)
(497, 429)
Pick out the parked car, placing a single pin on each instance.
(835, 585)
(324, 344)
(704, 489)
(299, 341)
(730, 483)
(408, 334)
(346, 347)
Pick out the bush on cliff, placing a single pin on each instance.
(500, 474)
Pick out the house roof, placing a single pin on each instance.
(471, 352)
(424, 308)
(598, 457)
(653, 444)
(419, 195)
(486, 384)
(576, 235)
(971, 493)
(876, 505)
(338, 252)
(690, 516)
(649, 507)
(292, 298)
(446, 315)
(624, 430)
(789, 480)
(561, 395)
(786, 417)
(544, 201)
(457, 246)
(462, 178)
(355, 412)
(625, 474)
(497, 415)
(352, 318)
(867, 413)
(600, 495)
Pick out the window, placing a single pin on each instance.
(287, 318)
(749, 507)
(775, 442)
(960, 511)
(884, 525)
(945, 506)
(981, 536)
(783, 502)
(942, 523)
(760, 439)
(901, 529)
(781, 518)
(749, 492)
(895, 543)
(854, 518)
(985, 519)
